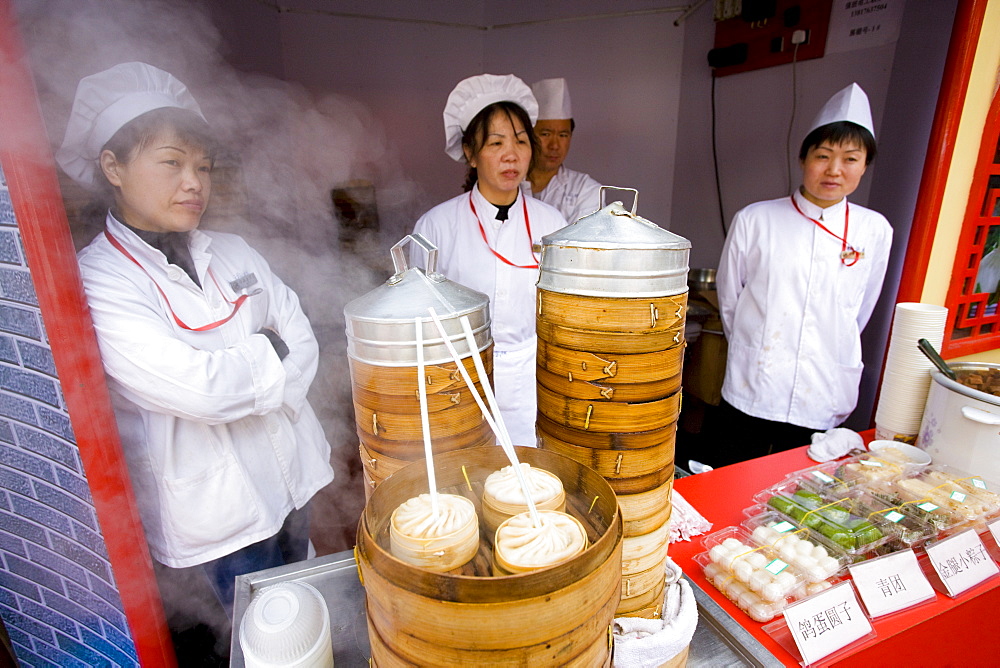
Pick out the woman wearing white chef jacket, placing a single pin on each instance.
(208, 354)
(485, 235)
(797, 282)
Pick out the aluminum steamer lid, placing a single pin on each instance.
(614, 253)
(380, 324)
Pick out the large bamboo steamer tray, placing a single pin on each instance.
(641, 505)
(644, 483)
(602, 440)
(614, 464)
(650, 523)
(412, 449)
(443, 377)
(647, 603)
(646, 597)
(640, 553)
(616, 315)
(581, 338)
(556, 616)
(407, 404)
(603, 391)
(397, 427)
(610, 368)
(551, 654)
(608, 416)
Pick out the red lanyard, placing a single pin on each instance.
(527, 226)
(853, 255)
(236, 304)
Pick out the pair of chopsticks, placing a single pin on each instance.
(492, 415)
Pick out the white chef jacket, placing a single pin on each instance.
(220, 440)
(574, 193)
(464, 257)
(793, 312)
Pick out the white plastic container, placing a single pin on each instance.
(287, 625)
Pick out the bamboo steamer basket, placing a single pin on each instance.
(615, 315)
(614, 464)
(438, 553)
(611, 307)
(609, 416)
(605, 440)
(504, 565)
(604, 391)
(643, 589)
(382, 353)
(644, 504)
(558, 616)
(640, 553)
(497, 511)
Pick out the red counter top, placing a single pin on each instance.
(943, 632)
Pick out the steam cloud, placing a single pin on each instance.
(289, 148)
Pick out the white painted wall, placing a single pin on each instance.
(642, 97)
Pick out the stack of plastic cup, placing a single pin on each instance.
(907, 379)
(287, 625)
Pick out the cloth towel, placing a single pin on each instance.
(649, 643)
(834, 443)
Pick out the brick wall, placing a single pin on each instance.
(58, 598)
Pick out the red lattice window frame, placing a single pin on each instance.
(975, 310)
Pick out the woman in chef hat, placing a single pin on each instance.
(485, 235)
(797, 282)
(208, 354)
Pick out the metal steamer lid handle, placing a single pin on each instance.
(635, 193)
(399, 258)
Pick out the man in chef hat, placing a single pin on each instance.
(797, 282)
(575, 194)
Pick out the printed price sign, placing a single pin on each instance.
(827, 622)
(995, 530)
(961, 561)
(891, 583)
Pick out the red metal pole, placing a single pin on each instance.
(34, 190)
(941, 146)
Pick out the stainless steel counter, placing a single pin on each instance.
(718, 641)
(336, 577)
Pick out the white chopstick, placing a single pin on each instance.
(425, 424)
(494, 420)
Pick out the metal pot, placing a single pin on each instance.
(702, 279)
(961, 426)
(614, 253)
(380, 324)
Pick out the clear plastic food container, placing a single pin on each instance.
(839, 476)
(814, 556)
(832, 517)
(939, 499)
(905, 529)
(752, 576)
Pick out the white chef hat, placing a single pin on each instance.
(553, 99)
(105, 102)
(849, 104)
(474, 94)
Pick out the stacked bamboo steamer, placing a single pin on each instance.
(381, 347)
(611, 304)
